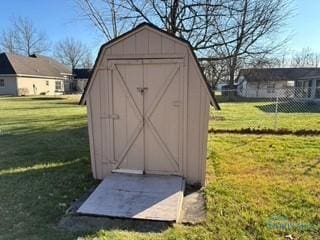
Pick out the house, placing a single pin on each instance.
(301, 83)
(80, 77)
(148, 107)
(33, 75)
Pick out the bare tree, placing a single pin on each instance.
(215, 71)
(305, 58)
(225, 32)
(86, 61)
(8, 41)
(107, 16)
(72, 52)
(191, 20)
(256, 24)
(24, 38)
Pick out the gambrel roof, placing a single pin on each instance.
(138, 28)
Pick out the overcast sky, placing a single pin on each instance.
(59, 19)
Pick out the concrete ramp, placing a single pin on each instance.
(150, 197)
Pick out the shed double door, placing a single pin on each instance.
(147, 115)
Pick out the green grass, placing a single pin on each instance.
(257, 185)
(260, 115)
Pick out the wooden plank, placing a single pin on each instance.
(96, 126)
(129, 45)
(142, 42)
(135, 196)
(145, 56)
(167, 45)
(193, 125)
(91, 139)
(117, 49)
(128, 171)
(205, 139)
(154, 43)
(185, 115)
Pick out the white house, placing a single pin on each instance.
(33, 75)
(279, 82)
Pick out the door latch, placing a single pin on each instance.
(142, 90)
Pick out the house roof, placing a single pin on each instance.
(278, 74)
(36, 65)
(81, 73)
(142, 25)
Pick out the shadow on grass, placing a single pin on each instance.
(47, 98)
(91, 224)
(54, 106)
(238, 99)
(41, 174)
(35, 98)
(281, 131)
(291, 107)
(52, 122)
(70, 103)
(39, 147)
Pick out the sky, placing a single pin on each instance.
(60, 19)
(305, 25)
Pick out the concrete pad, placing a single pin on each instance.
(150, 197)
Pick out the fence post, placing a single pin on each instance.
(276, 112)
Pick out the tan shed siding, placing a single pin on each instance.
(194, 113)
(91, 138)
(179, 48)
(96, 123)
(10, 87)
(117, 49)
(146, 42)
(155, 46)
(204, 134)
(167, 45)
(142, 42)
(105, 106)
(129, 47)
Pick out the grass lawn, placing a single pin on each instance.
(259, 187)
(260, 115)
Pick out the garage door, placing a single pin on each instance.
(147, 112)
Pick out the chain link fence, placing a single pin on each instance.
(285, 109)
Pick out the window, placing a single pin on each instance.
(47, 83)
(271, 87)
(303, 88)
(317, 89)
(2, 84)
(290, 84)
(58, 85)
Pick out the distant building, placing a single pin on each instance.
(34, 75)
(80, 76)
(279, 82)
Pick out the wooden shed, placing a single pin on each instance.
(148, 107)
